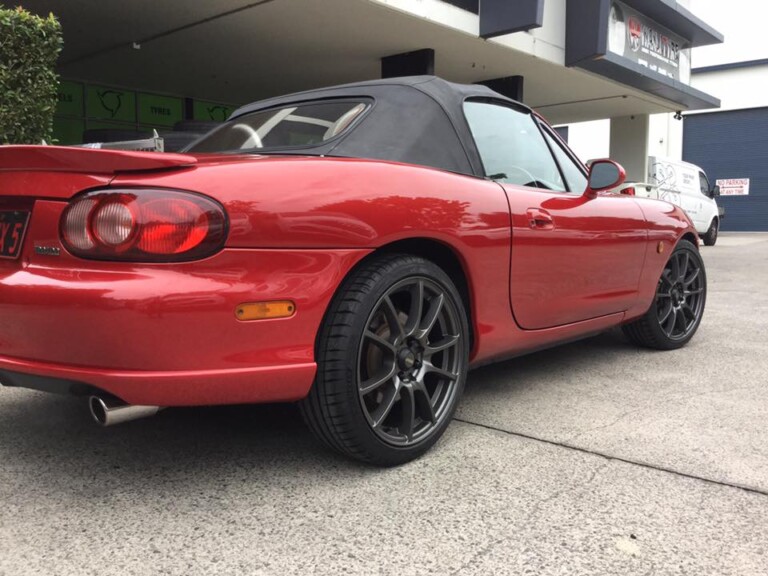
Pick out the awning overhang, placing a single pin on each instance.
(636, 76)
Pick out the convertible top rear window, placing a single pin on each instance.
(298, 125)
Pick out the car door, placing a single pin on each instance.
(573, 258)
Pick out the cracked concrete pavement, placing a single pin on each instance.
(592, 458)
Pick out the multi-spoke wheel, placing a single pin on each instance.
(392, 360)
(678, 304)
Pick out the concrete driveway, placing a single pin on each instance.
(593, 458)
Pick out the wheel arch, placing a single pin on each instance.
(440, 253)
(447, 258)
(691, 237)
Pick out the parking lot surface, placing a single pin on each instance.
(592, 458)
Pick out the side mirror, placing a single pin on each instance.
(604, 175)
(715, 191)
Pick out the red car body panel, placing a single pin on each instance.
(166, 334)
(539, 267)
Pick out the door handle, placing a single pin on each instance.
(539, 219)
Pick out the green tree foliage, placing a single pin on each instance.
(29, 47)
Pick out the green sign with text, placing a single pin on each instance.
(157, 110)
(70, 99)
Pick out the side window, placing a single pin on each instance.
(511, 146)
(704, 184)
(575, 178)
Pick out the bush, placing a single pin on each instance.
(29, 47)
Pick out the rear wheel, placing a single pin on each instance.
(711, 236)
(392, 359)
(678, 306)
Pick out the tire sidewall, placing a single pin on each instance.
(667, 342)
(387, 276)
(711, 236)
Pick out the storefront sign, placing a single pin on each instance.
(70, 99)
(110, 104)
(647, 50)
(733, 186)
(211, 111)
(157, 110)
(644, 42)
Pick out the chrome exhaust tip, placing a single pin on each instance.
(110, 411)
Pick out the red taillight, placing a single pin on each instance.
(143, 225)
(628, 191)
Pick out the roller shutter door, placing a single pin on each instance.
(733, 144)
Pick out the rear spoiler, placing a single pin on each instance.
(87, 160)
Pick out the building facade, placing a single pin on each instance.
(139, 65)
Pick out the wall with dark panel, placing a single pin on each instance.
(733, 144)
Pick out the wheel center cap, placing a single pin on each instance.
(678, 295)
(406, 359)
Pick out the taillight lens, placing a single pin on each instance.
(143, 225)
(628, 191)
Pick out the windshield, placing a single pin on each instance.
(299, 125)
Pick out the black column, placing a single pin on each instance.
(413, 63)
(189, 109)
(509, 86)
(499, 17)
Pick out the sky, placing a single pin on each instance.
(743, 22)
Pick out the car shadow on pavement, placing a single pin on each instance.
(549, 362)
(53, 438)
(52, 442)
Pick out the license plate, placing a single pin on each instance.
(13, 224)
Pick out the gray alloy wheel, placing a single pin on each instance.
(392, 361)
(678, 305)
(409, 361)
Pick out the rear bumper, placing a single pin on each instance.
(167, 335)
(171, 388)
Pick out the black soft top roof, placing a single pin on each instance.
(415, 119)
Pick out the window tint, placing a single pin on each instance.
(511, 146)
(575, 178)
(300, 125)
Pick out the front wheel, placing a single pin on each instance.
(678, 305)
(711, 236)
(392, 359)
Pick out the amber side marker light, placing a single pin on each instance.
(265, 310)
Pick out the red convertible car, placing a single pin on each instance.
(356, 249)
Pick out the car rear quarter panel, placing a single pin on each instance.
(320, 204)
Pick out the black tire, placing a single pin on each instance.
(387, 385)
(711, 236)
(678, 306)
